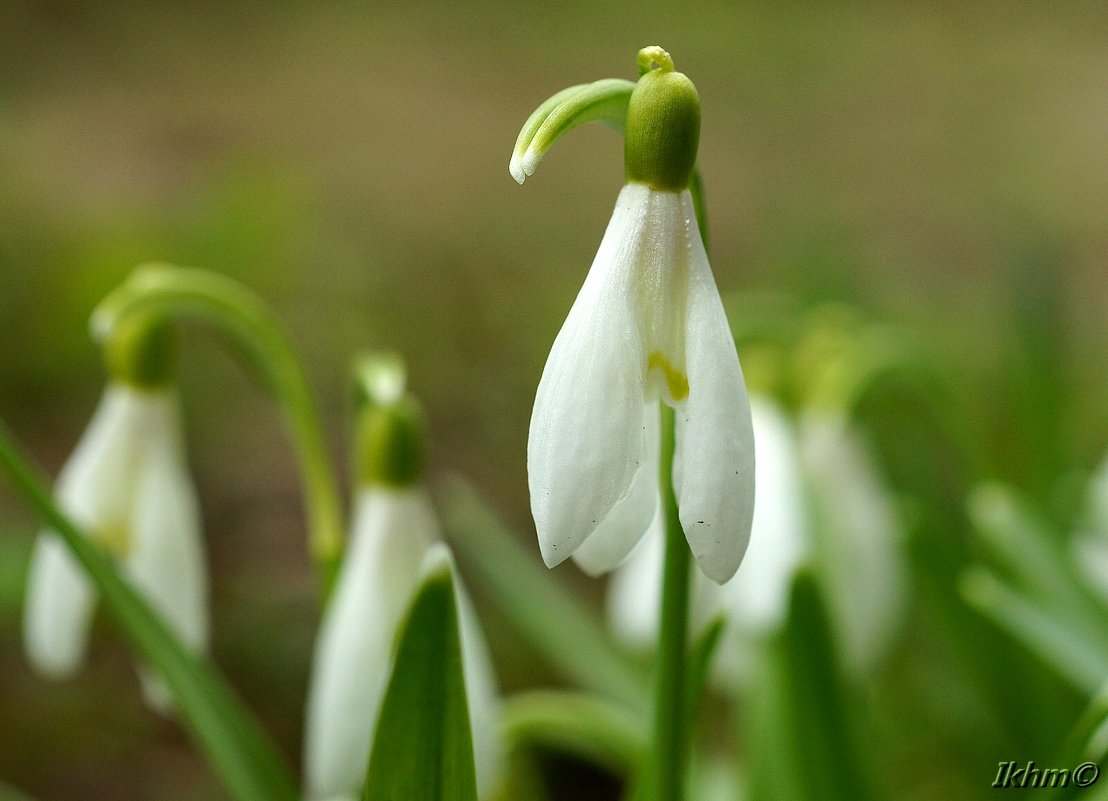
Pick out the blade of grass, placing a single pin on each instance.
(1050, 636)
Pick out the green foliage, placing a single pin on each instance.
(422, 750)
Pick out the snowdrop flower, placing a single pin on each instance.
(127, 487)
(648, 327)
(392, 531)
(755, 601)
(820, 500)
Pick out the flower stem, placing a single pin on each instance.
(166, 291)
(667, 766)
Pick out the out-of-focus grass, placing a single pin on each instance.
(942, 166)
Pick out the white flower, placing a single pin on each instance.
(859, 538)
(647, 327)
(755, 601)
(392, 531)
(820, 500)
(127, 487)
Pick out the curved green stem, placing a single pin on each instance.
(167, 291)
(594, 728)
(671, 723)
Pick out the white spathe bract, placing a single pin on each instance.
(647, 327)
(127, 487)
(393, 532)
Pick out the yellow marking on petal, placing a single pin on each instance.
(676, 381)
(115, 539)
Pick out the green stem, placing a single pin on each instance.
(167, 291)
(671, 688)
(227, 733)
(589, 726)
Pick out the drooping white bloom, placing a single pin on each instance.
(647, 327)
(127, 487)
(392, 530)
(819, 500)
(755, 601)
(859, 538)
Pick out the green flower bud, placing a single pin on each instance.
(389, 443)
(142, 353)
(663, 125)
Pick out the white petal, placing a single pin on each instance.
(583, 449)
(166, 559)
(757, 597)
(635, 591)
(859, 538)
(95, 488)
(483, 698)
(714, 434)
(59, 606)
(391, 531)
(621, 530)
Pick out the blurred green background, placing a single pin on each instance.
(939, 166)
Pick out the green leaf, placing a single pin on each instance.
(422, 750)
(1020, 541)
(222, 727)
(555, 622)
(584, 725)
(800, 733)
(600, 101)
(700, 663)
(1051, 636)
(9, 793)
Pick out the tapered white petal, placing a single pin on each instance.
(166, 558)
(634, 593)
(627, 522)
(715, 438)
(96, 489)
(584, 446)
(860, 538)
(353, 655)
(59, 605)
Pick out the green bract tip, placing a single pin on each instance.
(600, 101)
(663, 125)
